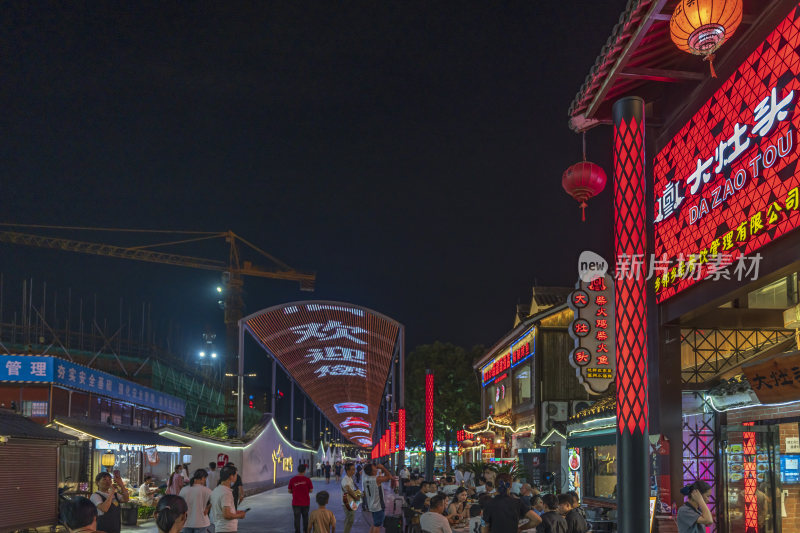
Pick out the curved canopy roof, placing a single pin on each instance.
(339, 353)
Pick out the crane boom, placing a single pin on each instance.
(141, 254)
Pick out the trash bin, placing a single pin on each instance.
(129, 513)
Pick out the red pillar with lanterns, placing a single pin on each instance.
(430, 452)
(633, 487)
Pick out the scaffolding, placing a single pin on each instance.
(128, 346)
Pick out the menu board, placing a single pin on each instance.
(736, 463)
(790, 468)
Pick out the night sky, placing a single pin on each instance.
(409, 153)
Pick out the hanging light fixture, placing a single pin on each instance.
(700, 27)
(108, 460)
(584, 180)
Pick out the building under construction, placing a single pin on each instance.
(41, 321)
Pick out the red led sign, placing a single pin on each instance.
(727, 183)
(497, 366)
(520, 352)
(338, 353)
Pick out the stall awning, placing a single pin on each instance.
(116, 434)
(601, 437)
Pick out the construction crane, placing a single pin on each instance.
(233, 270)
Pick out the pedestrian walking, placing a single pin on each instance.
(358, 473)
(576, 523)
(338, 471)
(226, 517)
(175, 483)
(238, 489)
(373, 494)
(552, 521)
(319, 469)
(322, 520)
(327, 472)
(694, 515)
(107, 498)
(350, 494)
(198, 498)
(171, 514)
(79, 515)
(213, 476)
(300, 487)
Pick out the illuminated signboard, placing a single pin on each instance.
(727, 183)
(594, 356)
(517, 352)
(340, 354)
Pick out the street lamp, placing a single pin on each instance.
(202, 354)
(213, 355)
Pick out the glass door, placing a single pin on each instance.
(750, 477)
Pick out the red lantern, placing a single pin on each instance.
(583, 181)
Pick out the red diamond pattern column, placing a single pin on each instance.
(631, 311)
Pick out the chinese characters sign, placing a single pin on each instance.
(727, 183)
(775, 380)
(338, 353)
(26, 368)
(516, 353)
(594, 356)
(49, 369)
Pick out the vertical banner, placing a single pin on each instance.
(633, 488)
(401, 429)
(594, 357)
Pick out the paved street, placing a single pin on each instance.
(271, 511)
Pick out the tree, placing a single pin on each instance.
(457, 393)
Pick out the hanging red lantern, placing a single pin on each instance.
(700, 27)
(582, 181)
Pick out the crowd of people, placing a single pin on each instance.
(458, 502)
(189, 505)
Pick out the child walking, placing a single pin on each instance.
(322, 520)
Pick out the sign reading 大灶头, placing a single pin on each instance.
(594, 356)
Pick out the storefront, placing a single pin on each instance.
(135, 453)
(520, 407)
(724, 209)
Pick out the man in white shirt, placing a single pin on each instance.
(405, 475)
(349, 490)
(226, 517)
(213, 476)
(373, 494)
(147, 491)
(434, 521)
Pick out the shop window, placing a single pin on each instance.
(780, 294)
(35, 409)
(522, 384)
(116, 413)
(73, 467)
(602, 472)
(127, 415)
(146, 417)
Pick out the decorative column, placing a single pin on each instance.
(630, 301)
(430, 452)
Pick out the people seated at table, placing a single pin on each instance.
(434, 520)
(552, 520)
(449, 486)
(422, 499)
(147, 491)
(458, 505)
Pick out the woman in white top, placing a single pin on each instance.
(198, 499)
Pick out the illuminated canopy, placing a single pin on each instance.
(339, 353)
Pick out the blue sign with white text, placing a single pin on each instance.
(48, 369)
(790, 468)
(26, 368)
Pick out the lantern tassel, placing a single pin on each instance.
(583, 211)
(710, 59)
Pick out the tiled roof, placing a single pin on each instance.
(20, 427)
(117, 434)
(603, 406)
(615, 45)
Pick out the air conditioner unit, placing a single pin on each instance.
(553, 412)
(577, 406)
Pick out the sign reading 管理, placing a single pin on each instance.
(594, 356)
(48, 369)
(728, 183)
